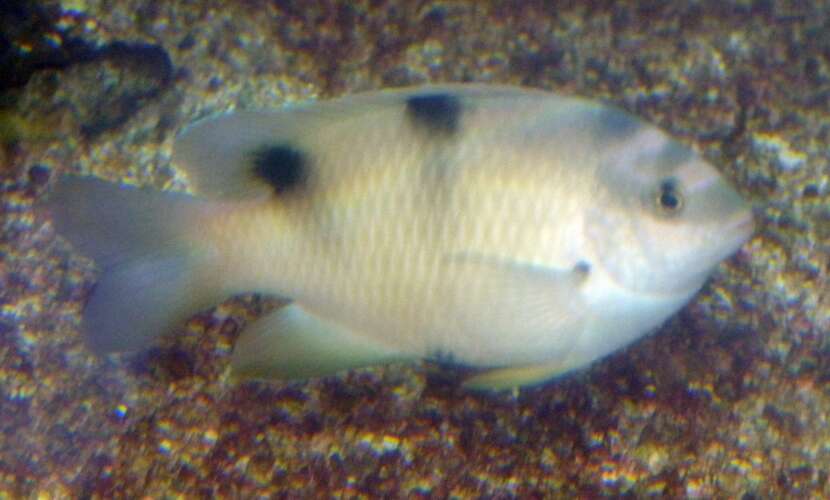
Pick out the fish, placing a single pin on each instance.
(518, 232)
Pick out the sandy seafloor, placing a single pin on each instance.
(730, 399)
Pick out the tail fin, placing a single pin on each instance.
(150, 274)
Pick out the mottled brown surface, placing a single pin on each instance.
(731, 398)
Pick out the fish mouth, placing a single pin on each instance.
(736, 231)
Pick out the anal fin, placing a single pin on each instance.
(291, 343)
(498, 379)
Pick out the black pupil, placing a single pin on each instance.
(669, 198)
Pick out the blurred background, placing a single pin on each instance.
(730, 399)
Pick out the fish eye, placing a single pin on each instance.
(668, 198)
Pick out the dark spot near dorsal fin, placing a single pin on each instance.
(616, 125)
(674, 154)
(283, 167)
(438, 113)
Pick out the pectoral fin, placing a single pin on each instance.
(540, 310)
(291, 343)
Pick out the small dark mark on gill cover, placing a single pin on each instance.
(282, 166)
(582, 269)
(437, 113)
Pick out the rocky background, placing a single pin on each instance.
(731, 398)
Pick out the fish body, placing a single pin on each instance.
(514, 230)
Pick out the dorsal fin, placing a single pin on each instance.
(220, 154)
(241, 154)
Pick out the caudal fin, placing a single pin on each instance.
(151, 279)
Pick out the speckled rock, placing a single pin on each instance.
(729, 399)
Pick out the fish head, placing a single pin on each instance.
(663, 217)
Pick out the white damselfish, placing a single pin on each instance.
(517, 231)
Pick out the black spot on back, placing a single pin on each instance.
(436, 113)
(283, 167)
